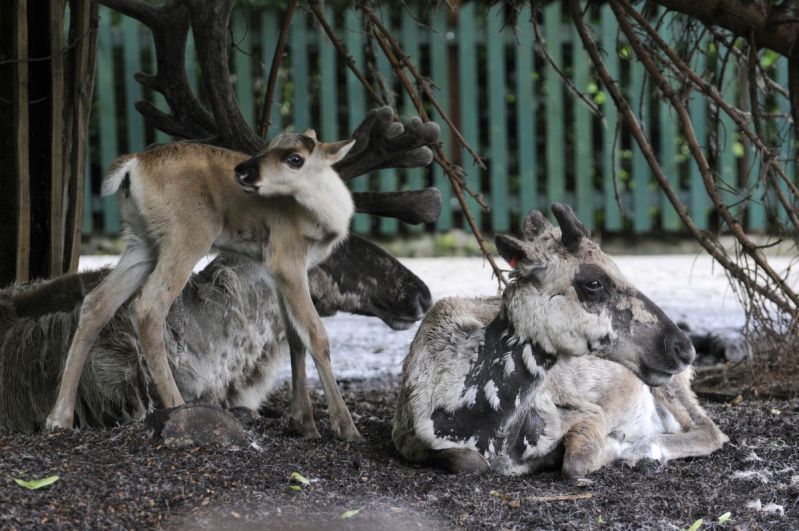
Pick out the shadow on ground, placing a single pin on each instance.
(123, 478)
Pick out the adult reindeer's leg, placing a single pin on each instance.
(292, 283)
(98, 308)
(301, 419)
(175, 263)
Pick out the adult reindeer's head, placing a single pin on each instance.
(571, 299)
(288, 157)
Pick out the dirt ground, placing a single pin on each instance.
(123, 478)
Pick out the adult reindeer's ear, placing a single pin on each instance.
(335, 151)
(535, 223)
(515, 252)
(572, 230)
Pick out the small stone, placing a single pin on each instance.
(196, 425)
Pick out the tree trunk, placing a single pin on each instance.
(45, 90)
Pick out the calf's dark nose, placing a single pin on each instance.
(247, 172)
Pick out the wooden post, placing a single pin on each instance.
(23, 171)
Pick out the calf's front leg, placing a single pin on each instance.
(301, 419)
(292, 285)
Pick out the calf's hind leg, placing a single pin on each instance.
(175, 263)
(98, 308)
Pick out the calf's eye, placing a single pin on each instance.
(295, 161)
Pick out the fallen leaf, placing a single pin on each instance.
(299, 478)
(349, 514)
(36, 483)
(724, 518)
(696, 525)
(295, 488)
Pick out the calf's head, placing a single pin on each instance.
(291, 156)
(569, 297)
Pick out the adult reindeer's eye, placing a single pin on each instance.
(295, 161)
(593, 286)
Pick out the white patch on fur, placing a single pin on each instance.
(510, 365)
(490, 389)
(114, 179)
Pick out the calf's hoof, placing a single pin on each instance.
(303, 428)
(460, 461)
(345, 431)
(196, 425)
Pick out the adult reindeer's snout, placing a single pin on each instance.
(247, 174)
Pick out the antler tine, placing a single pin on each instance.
(571, 228)
(535, 223)
(209, 22)
(383, 141)
(169, 24)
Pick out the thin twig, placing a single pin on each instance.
(405, 61)
(319, 13)
(712, 246)
(687, 127)
(266, 112)
(561, 497)
(452, 171)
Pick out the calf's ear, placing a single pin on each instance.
(335, 151)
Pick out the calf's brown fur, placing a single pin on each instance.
(286, 207)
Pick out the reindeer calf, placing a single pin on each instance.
(560, 361)
(286, 207)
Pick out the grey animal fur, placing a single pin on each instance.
(519, 383)
(224, 337)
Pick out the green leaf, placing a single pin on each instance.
(349, 514)
(696, 525)
(295, 488)
(36, 483)
(724, 518)
(296, 477)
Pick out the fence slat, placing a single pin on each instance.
(610, 158)
(498, 122)
(409, 37)
(469, 107)
(107, 112)
(699, 204)
(668, 145)
(440, 72)
(131, 54)
(525, 118)
(300, 112)
(356, 102)
(269, 28)
(555, 167)
(641, 177)
(583, 136)
(328, 104)
(756, 207)
(786, 133)
(387, 178)
(727, 137)
(242, 62)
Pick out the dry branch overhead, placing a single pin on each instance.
(785, 301)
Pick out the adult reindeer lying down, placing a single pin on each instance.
(224, 337)
(562, 367)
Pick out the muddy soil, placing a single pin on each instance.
(123, 478)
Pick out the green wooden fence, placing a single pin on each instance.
(540, 144)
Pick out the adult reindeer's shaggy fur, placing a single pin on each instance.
(286, 208)
(502, 384)
(224, 336)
